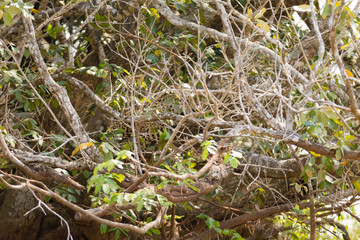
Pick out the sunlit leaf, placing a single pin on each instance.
(303, 8)
(343, 47)
(82, 147)
(191, 186)
(349, 137)
(326, 11)
(315, 154)
(263, 25)
(157, 52)
(249, 13)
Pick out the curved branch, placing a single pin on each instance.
(59, 92)
(264, 213)
(212, 33)
(38, 172)
(89, 215)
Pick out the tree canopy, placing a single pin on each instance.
(179, 119)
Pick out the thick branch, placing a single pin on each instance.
(58, 91)
(39, 172)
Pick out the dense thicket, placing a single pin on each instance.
(178, 119)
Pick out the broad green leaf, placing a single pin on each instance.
(338, 154)
(13, 11)
(205, 154)
(103, 228)
(8, 20)
(140, 205)
(321, 175)
(302, 118)
(297, 209)
(309, 123)
(330, 113)
(234, 162)
(326, 11)
(156, 231)
(106, 188)
(71, 198)
(117, 234)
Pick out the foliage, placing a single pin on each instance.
(153, 117)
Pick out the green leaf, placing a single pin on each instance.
(321, 175)
(302, 118)
(297, 209)
(309, 123)
(8, 20)
(202, 215)
(317, 131)
(190, 186)
(323, 118)
(13, 11)
(72, 198)
(205, 154)
(263, 25)
(234, 162)
(103, 228)
(119, 177)
(156, 231)
(330, 113)
(326, 11)
(106, 188)
(117, 234)
(140, 205)
(162, 184)
(338, 154)
(206, 143)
